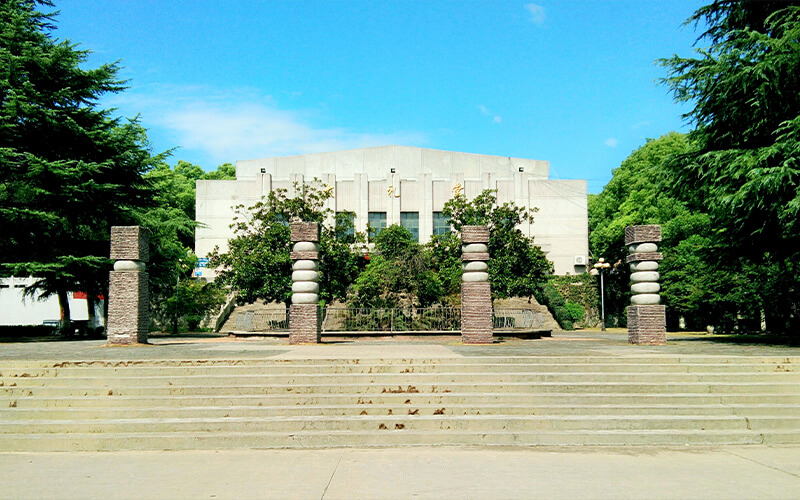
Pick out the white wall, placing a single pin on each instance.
(18, 310)
(424, 180)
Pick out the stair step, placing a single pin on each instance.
(385, 438)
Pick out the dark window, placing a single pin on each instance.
(346, 226)
(410, 221)
(441, 224)
(376, 221)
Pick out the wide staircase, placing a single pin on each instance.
(516, 401)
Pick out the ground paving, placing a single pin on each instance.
(729, 472)
(751, 472)
(199, 346)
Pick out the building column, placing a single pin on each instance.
(304, 314)
(128, 304)
(476, 293)
(646, 316)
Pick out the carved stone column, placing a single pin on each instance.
(646, 316)
(476, 293)
(128, 305)
(304, 314)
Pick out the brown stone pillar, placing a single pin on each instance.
(476, 292)
(304, 314)
(128, 305)
(647, 322)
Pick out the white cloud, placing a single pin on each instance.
(611, 142)
(536, 12)
(486, 111)
(241, 125)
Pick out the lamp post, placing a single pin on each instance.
(601, 265)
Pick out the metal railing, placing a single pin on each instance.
(408, 319)
(517, 319)
(411, 319)
(272, 320)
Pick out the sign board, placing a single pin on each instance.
(202, 262)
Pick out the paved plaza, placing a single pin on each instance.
(200, 346)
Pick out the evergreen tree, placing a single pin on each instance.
(744, 166)
(68, 170)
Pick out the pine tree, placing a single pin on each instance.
(68, 169)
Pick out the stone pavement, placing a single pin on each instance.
(199, 346)
(743, 472)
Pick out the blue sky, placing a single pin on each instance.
(571, 82)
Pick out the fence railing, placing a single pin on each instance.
(410, 319)
(517, 319)
(272, 320)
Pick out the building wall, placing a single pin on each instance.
(422, 181)
(16, 310)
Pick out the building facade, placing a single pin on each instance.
(407, 186)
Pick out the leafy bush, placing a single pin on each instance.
(575, 311)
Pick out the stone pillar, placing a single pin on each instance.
(304, 317)
(646, 316)
(128, 305)
(476, 292)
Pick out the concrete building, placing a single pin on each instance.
(407, 186)
(16, 309)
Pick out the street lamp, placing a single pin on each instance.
(601, 265)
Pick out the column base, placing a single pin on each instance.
(304, 324)
(476, 313)
(647, 325)
(128, 308)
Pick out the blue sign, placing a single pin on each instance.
(202, 262)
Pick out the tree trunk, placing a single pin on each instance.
(91, 302)
(65, 320)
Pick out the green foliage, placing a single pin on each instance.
(401, 272)
(574, 311)
(445, 252)
(582, 290)
(195, 300)
(517, 267)
(68, 170)
(563, 312)
(257, 265)
(743, 167)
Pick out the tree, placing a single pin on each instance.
(400, 272)
(257, 264)
(744, 165)
(68, 170)
(518, 268)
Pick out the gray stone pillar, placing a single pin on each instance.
(646, 316)
(128, 305)
(476, 292)
(304, 314)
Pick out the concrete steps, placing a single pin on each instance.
(524, 401)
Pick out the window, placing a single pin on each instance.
(410, 221)
(441, 224)
(376, 221)
(346, 226)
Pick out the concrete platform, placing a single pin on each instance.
(216, 346)
(434, 473)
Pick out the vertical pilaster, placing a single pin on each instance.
(646, 316)
(128, 304)
(476, 292)
(304, 314)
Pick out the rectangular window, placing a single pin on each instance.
(410, 221)
(346, 226)
(376, 221)
(441, 224)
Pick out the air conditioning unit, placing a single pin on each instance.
(580, 260)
